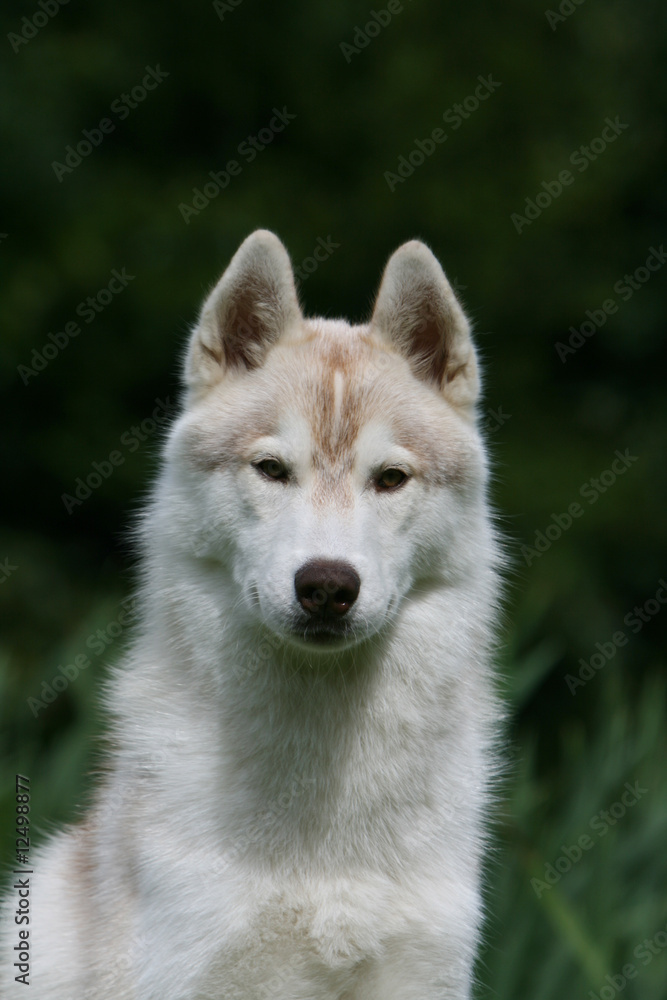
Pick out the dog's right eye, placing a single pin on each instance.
(271, 468)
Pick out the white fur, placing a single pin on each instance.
(283, 819)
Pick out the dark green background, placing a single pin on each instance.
(323, 176)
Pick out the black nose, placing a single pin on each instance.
(327, 588)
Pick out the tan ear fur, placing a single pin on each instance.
(417, 311)
(250, 308)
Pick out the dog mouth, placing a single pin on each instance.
(323, 634)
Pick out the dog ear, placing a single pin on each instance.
(417, 311)
(251, 306)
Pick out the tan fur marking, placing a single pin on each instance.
(346, 378)
(339, 389)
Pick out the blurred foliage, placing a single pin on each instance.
(323, 177)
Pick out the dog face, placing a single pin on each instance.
(330, 469)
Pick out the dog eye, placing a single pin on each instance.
(272, 468)
(390, 479)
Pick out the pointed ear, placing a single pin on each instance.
(418, 313)
(249, 309)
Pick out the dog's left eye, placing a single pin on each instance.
(390, 479)
(272, 468)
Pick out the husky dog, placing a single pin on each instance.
(305, 727)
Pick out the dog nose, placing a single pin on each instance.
(327, 588)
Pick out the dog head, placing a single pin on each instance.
(324, 471)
